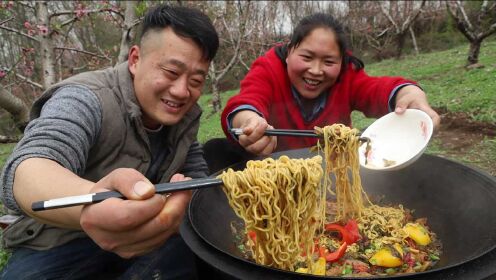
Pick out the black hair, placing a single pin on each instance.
(311, 22)
(185, 22)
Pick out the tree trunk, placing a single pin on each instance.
(216, 104)
(414, 40)
(400, 39)
(473, 53)
(46, 45)
(128, 31)
(15, 107)
(8, 139)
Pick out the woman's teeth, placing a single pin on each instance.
(171, 104)
(311, 82)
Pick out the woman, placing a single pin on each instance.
(312, 81)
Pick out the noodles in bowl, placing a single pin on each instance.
(292, 224)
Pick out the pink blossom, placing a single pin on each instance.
(27, 50)
(2, 73)
(27, 25)
(80, 11)
(42, 29)
(28, 71)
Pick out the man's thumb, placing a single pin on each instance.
(143, 189)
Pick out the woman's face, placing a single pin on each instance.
(315, 64)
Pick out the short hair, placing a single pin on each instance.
(314, 21)
(185, 22)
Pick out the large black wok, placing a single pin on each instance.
(459, 202)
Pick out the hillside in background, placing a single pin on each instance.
(465, 99)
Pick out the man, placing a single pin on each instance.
(122, 129)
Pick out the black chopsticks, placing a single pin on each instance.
(282, 132)
(98, 197)
(290, 132)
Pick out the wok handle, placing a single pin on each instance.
(91, 198)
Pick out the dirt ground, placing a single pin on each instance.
(460, 139)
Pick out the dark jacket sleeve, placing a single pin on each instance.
(195, 165)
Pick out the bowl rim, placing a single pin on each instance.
(404, 163)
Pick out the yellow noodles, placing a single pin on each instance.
(340, 150)
(284, 201)
(279, 201)
(377, 220)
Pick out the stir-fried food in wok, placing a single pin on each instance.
(292, 223)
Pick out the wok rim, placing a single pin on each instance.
(471, 258)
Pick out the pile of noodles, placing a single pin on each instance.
(283, 201)
(381, 225)
(279, 200)
(340, 148)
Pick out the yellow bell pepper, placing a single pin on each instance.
(302, 270)
(418, 233)
(398, 248)
(319, 268)
(385, 258)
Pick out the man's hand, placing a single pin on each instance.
(253, 138)
(413, 97)
(138, 225)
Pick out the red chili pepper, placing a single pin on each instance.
(345, 234)
(352, 228)
(334, 256)
(252, 235)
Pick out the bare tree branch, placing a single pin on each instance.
(463, 27)
(491, 30)
(464, 15)
(7, 20)
(20, 33)
(7, 71)
(474, 33)
(242, 61)
(128, 31)
(26, 4)
(68, 12)
(83, 51)
(29, 81)
(9, 139)
(15, 106)
(388, 16)
(69, 21)
(414, 40)
(66, 35)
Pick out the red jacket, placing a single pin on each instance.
(267, 88)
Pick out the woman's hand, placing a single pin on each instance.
(253, 138)
(414, 98)
(139, 224)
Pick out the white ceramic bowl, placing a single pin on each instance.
(396, 140)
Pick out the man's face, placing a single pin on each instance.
(169, 73)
